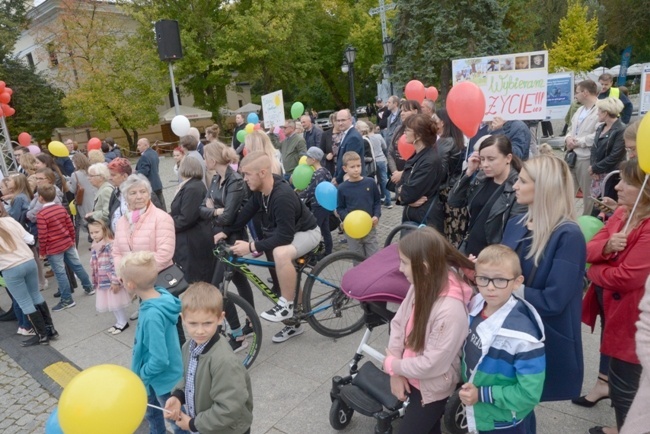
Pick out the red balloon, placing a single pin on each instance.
(5, 98)
(257, 126)
(2, 85)
(8, 90)
(24, 139)
(431, 93)
(466, 107)
(94, 143)
(406, 150)
(8, 111)
(414, 90)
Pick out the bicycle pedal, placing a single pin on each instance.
(293, 321)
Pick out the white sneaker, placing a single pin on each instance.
(25, 332)
(281, 311)
(287, 333)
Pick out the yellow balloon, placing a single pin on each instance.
(73, 208)
(643, 144)
(249, 128)
(303, 160)
(357, 224)
(104, 399)
(58, 149)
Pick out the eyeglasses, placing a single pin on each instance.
(498, 282)
(342, 120)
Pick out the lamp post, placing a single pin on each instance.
(388, 58)
(350, 57)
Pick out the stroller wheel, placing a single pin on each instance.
(340, 415)
(455, 419)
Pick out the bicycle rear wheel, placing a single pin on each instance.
(329, 311)
(252, 328)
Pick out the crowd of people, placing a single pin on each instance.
(501, 250)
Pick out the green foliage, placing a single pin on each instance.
(12, 21)
(37, 103)
(624, 23)
(576, 46)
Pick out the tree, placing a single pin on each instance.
(110, 77)
(625, 22)
(37, 103)
(576, 46)
(12, 21)
(428, 35)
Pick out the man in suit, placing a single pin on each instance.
(394, 119)
(352, 141)
(148, 166)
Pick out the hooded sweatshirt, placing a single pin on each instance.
(510, 373)
(156, 351)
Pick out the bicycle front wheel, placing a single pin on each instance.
(329, 311)
(242, 316)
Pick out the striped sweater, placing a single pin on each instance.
(55, 230)
(510, 373)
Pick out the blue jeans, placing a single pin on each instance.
(382, 175)
(23, 322)
(58, 262)
(22, 283)
(155, 417)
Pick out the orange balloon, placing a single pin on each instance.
(466, 107)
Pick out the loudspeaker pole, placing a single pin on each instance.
(174, 94)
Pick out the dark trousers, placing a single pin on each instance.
(623, 384)
(161, 198)
(422, 419)
(547, 128)
(323, 220)
(243, 288)
(603, 367)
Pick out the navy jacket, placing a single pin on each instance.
(148, 166)
(65, 164)
(351, 142)
(519, 135)
(556, 293)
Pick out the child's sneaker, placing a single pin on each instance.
(89, 291)
(247, 330)
(237, 343)
(26, 332)
(64, 305)
(287, 333)
(281, 311)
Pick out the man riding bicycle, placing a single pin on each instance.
(289, 231)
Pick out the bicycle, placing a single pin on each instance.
(321, 303)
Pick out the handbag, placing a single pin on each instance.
(173, 280)
(570, 157)
(79, 195)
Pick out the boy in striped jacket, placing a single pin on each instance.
(56, 239)
(503, 364)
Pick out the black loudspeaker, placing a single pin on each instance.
(168, 38)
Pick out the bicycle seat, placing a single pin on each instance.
(312, 256)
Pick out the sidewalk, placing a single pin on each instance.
(291, 381)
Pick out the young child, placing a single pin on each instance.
(156, 350)
(215, 388)
(56, 239)
(428, 329)
(321, 174)
(113, 298)
(505, 333)
(359, 193)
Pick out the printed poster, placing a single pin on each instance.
(559, 91)
(644, 100)
(514, 85)
(273, 109)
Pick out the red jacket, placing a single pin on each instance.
(622, 277)
(55, 230)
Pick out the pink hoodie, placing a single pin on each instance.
(437, 367)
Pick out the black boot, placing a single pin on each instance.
(39, 328)
(45, 312)
(8, 315)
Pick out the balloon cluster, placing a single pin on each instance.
(5, 98)
(104, 399)
(416, 90)
(252, 124)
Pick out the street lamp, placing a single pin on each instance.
(345, 68)
(350, 56)
(388, 57)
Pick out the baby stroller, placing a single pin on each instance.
(366, 389)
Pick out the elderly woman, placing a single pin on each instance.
(81, 180)
(608, 150)
(99, 176)
(619, 269)
(193, 237)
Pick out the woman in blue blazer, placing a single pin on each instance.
(552, 251)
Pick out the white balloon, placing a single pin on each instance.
(180, 125)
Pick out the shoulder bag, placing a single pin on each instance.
(79, 195)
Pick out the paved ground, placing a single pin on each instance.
(291, 381)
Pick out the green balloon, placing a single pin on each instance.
(241, 135)
(589, 226)
(302, 175)
(297, 110)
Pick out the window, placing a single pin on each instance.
(54, 60)
(30, 60)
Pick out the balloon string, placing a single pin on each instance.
(638, 198)
(158, 408)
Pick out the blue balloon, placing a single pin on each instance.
(52, 425)
(253, 118)
(326, 195)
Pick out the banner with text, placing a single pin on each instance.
(514, 85)
(273, 109)
(559, 95)
(644, 97)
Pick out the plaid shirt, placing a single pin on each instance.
(195, 351)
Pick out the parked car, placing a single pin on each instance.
(323, 119)
(361, 111)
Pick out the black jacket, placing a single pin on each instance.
(283, 214)
(230, 196)
(469, 187)
(609, 150)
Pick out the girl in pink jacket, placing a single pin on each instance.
(428, 330)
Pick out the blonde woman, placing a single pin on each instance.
(212, 134)
(96, 156)
(259, 141)
(552, 252)
(28, 163)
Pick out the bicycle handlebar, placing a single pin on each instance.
(222, 250)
